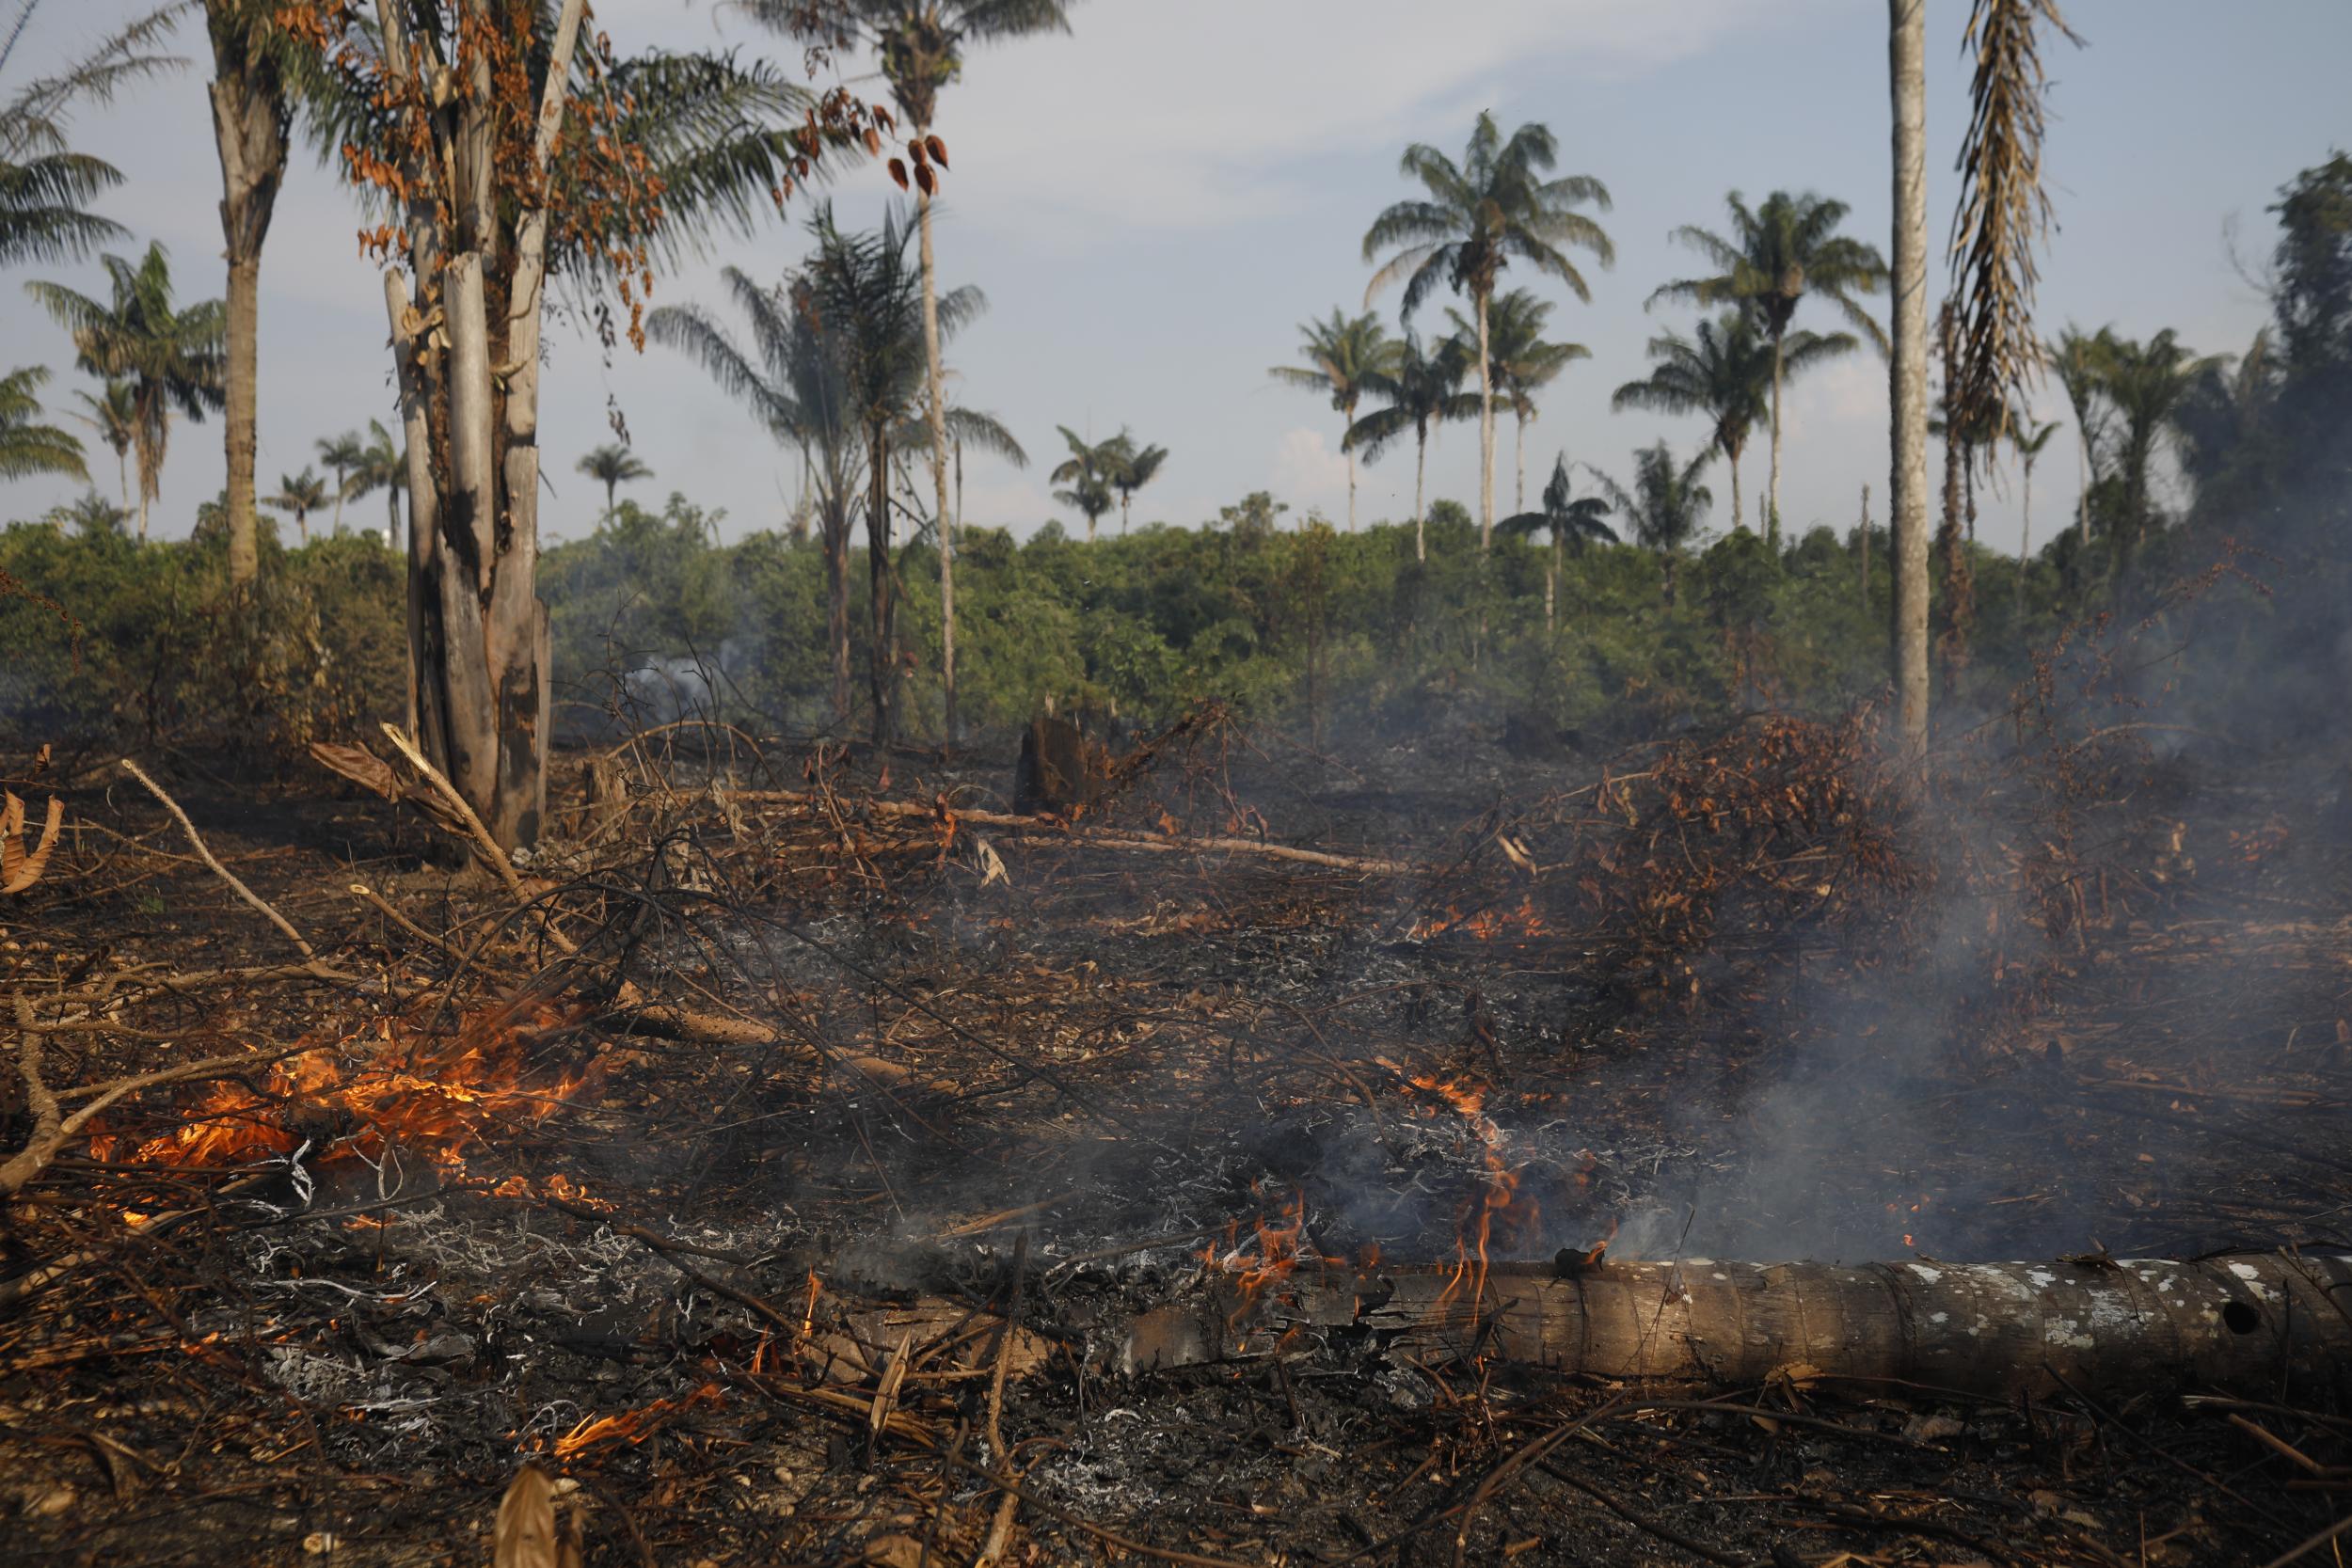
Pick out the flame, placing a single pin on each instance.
(1500, 1215)
(1523, 924)
(1277, 1254)
(442, 1103)
(631, 1426)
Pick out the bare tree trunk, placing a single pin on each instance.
(1518, 460)
(2082, 475)
(2024, 539)
(1738, 518)
(1771, 500)
(1908, 393)
(1552, 581)
(2256, 1322)
(1349, 415)
(1486, 436)
(250, 117)
(938, 418)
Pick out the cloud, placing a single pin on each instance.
(1307, 473)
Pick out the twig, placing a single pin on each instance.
(486, 846)
(2292, 1553)
(219, 870)
(1000, 1530)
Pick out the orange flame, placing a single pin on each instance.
(441, 1102)
(1522, 924)
(1500, 1215)
(631, 1426)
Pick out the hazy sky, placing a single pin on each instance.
(1154, 202)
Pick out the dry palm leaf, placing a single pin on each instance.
(19, 868)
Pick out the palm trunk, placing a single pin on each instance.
(1907, 487)
(1862, 536)
(1738, 518)
(836, 545)
(1421, 467)
(938, 420)
(1486, 436)
(2024, 539)
(2082, 476)
(1552, 581)
(249, 124)
(392, 515)
(338, 502)
(1348, 414)
(1772, 499)
(882, 662)
(302, 525)
(1518, 460)
(122, 473)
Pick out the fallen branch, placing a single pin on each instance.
(205, 854)
(1034, 829)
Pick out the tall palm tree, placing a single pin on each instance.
(45, 186)
(1085, 476)
(613, 466)
(113, 412)
(2028, 438)
(384, 466)
(1422, 389)
(2145, 384)
(869, 291)
(792, 376)
(1907, 367)
(341, 454)
(1131, 468)
(1665, 506)
(1723, 372)
(171, 357)
(2227, 412)
(1476, 217)
(1342, 356)
(1775, 255)
(28, 447)
(1521, 363)
(2079, 359)
(921, 46)
(1571, 519)
(301, 495)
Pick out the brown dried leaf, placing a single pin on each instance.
(359, 765)
(526, 1524)
(938, 151)
(898, 172)
(20, 870)
(925, 178)
(873, 142)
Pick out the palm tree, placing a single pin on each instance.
(2145, 384)
(1724, 373)
(1086, 476)
(28, 447)
(1775, 256)
(2028, 437)
(1520, 363)
(113, 412)
(2078, 360)
(1132, 469)
(1343, 357)
(612, 466)
(300, 494)
(341, 454)
(2227, 412)
(1422, 389)
(1569, 518)
(171, 357)
(868, 291)
(92, 516)
(791, 376)
(45, 186)
(1665, 506)
(1476, 217)
(382, 465)
(920, 45)
(1907, 367)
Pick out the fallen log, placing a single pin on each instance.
(2256, 1322)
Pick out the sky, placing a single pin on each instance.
(1154, 202)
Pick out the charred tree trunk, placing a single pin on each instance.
(1907, 488)
(2002, 1329)
(250, 120)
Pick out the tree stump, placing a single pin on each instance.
(1060, 770)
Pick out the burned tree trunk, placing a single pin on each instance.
(1990, 1328)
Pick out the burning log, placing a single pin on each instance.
(2253, 1323)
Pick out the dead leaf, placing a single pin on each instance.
(898, 172)
(938, 151)
(526, 1526)
(992, 868)
(19, 868)
(359, 765)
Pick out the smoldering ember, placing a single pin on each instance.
(1514, 994)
